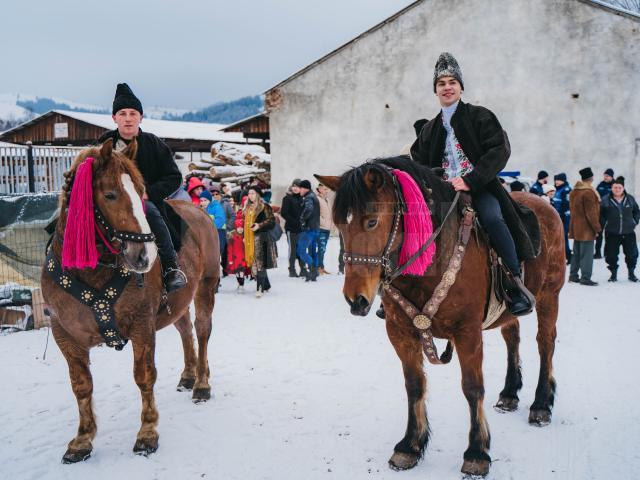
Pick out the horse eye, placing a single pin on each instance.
(110, 196)
(371, 224)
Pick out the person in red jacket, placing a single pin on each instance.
(236, 262)
(195, 187)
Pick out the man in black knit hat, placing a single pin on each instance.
(603, 189)
(469, 144)
(161, 177)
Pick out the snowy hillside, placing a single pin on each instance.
(304, 390)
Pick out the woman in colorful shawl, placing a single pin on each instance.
(259, 251)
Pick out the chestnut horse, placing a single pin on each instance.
(365, 198)
(117, 189)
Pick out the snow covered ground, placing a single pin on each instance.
(304, 390)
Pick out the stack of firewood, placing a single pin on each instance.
(234, 164)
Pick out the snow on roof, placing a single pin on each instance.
(164, 128)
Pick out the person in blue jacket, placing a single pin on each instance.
(536, 188)
(215, 210)
(560, 202)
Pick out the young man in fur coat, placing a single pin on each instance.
(469, 144)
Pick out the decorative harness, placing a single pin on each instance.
(101, 302)
(421, 318)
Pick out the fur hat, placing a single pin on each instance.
(561, 176)
(609, 171)
(305, 184)
(125, 99)
(542, 174)
(586, 173)
(546, 188)
(447, 66)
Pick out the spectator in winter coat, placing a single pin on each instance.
(291, 211)
(619, 215)
(161, 177)
(236, 263)
(537, 187)
(548, 192)
(260, 252)
(560, 202)
(517, 186)
(194, 188)
(584, 226)
(310, 222)
(604, 189)
(230, 218)
(214, 209)
(326, 224)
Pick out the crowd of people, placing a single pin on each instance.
(593, 216)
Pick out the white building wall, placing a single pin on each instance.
(522, 59)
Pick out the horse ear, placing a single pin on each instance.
(373, 180)
(106, 149)
(330, 182)
(132, 149)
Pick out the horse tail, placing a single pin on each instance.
(448, 353)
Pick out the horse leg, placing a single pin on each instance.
(204, 301)
(508, 400)
(144, 371)
(80, 447)
(411, 448)
(469, 346)
(547, 310)
(188, 376)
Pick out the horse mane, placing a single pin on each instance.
(353, 196)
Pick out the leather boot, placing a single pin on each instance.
(632, 276)
(304, 273)
(614, 275)
(520, 301)
(314, 274)
(173, 278)
(293, 273)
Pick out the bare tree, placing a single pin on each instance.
(631, 5)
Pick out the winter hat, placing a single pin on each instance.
(296, 182)
(447, 66)
(542, 174)
(305, 184)
(586, 173)
(609, 171)
(194, 182)
(561, 176)
(517, 186)
(619, 180)
(548, 188)
(207, 195)
(257, 189)
(125, 99)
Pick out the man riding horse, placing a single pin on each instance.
(469, 144)
(161, 177)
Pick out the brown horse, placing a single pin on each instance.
(118, 189)
(365, 197)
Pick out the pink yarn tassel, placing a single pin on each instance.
(418, 226)
(79, 246)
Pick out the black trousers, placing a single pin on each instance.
(292, 238)
(492, 220)
(163, 238)
(599, 239)
(612, 243)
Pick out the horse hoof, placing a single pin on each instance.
(506, 404)
(75, 456)
(475, 468)
(539, 418)
(145, 446)
(403, 461)
(201, 394)
(186, 384)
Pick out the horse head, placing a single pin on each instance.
(107, 182)
(370, 202)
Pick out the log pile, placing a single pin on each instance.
(234, 164)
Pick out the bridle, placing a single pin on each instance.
(389, 271)
(112, 234)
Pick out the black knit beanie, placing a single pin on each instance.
(125, 99)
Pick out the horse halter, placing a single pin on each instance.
(113, 234)
(389, 273)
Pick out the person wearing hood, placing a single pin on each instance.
(584, 204)
(603, 189)
(469, 144)
(161, 175)
(194, 188)
(620, 215)
(560, 202)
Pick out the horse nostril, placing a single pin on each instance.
(361, 302)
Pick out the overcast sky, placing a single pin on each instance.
(187, 53)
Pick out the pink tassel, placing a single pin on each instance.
(79, 245)
(418, 226)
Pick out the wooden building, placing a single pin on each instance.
(255, 127)
(70, 128)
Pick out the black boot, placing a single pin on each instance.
(632, 276)
(304, 273)
(520, 301)
(314, 274)
(173, 278)
(380, 312)
(614, 275)
(293, 273)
